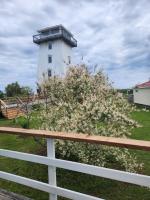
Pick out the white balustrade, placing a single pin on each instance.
(53, 163)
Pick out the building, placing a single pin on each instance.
(141, 94)
(55, 51)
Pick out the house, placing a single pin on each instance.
(141, 94)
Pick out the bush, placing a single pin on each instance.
(22, 122)
(85, 103)
(36, 107)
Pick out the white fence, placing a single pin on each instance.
(53, 163)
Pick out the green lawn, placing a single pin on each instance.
(99, 187)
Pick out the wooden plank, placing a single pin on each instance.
(12, 113)
(111, 141)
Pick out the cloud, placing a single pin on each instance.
(115, 34)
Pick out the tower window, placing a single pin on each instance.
(49, 59)
(49, 72)
(69, 59)
(49, 45)
(54, 31)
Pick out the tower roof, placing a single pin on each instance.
(54, 28)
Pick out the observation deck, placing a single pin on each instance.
(54, 33)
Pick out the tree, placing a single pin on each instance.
(85, 103)
(1, 94)
(25, 91)
(13, 89)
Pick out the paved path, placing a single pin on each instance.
(5, 195)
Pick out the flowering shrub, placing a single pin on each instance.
(84, 103)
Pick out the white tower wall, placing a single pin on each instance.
(60, 53)
(55, 49)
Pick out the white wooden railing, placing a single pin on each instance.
(53, 163)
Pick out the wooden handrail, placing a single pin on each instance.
(110, 141)
(3, 103)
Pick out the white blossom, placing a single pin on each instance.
(85, 103)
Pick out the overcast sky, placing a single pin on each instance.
(115, 34)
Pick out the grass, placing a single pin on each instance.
(142, 133)
(100, 187)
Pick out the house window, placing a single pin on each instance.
(69, 59)
(49, 45)
(49, 59)
(49, 72)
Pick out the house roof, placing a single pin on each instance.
(143, 85)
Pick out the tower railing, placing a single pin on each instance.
(53, 163)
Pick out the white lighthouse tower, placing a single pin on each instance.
(55, 49)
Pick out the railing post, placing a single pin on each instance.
(51, 170)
